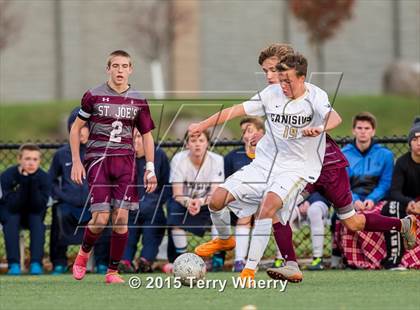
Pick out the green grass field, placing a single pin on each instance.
(320, 290)
(41, 121)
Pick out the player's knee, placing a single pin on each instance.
(271, 204)
(267, 211)
(99, 222)
(218, 199)
(120, 229)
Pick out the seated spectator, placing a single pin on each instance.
(195, 174)
(149, 220)
(371, 164)
(69, 213)
(404, 199)
(313, 212)
(370, 173)
(26, 190)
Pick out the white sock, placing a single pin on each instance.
(163, 249)
(315, 214)
(242, 241)
(259, 241)
(221, 221)
(214, 233)
(179, 236)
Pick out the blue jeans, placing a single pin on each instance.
(13, 223)
(152, 229)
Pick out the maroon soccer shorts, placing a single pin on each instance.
(112, 183)
(334, 184)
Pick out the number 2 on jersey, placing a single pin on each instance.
(290, 132)
(117, 129)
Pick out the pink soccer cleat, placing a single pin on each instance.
(79, 266)
(112, 276)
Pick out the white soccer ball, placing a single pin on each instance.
(189, 268)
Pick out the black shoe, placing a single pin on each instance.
(144, 266)
(126, 266)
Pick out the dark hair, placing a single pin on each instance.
(205, 132)
(256, 121)
(117, 53)
(294, 61)
(28, 147)
(365, 116)
(278, 50)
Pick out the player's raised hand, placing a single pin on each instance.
(313, 131)
(150, 181)
(255, 138)
(78, 173)
(195, 129)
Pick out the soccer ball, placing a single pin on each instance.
(189, 267)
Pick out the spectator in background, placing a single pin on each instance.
(370, 173)
(69, 211)
(149, 220)
(405, 199)
(371, 164)
(26, 190)
(195, 174)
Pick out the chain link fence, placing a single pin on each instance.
(302, 240)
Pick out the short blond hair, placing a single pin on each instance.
(117, 53)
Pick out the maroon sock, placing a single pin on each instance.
(283, 236)
(89, 239)
(118, 242)
(377, 222)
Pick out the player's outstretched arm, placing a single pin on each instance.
(150, 180)
(217, 118)
(78, 173)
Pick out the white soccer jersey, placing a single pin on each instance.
(197, 182)
(284, 146)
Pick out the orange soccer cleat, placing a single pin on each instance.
(248, 275)
(215, 245)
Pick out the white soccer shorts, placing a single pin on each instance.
(251, 183)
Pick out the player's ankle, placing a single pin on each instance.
(83, 252)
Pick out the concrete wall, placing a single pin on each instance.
(218, 56)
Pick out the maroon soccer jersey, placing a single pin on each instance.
(333, 158)
(112, 118)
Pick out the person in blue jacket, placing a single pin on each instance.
(371, 164)
(71, 210)
(26, 191)
(149, 221)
